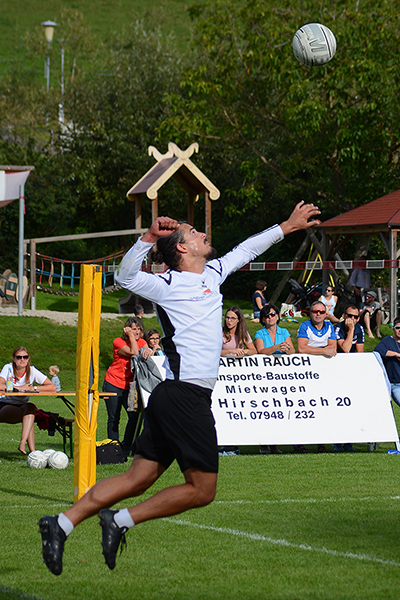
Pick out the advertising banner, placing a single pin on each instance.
(301, 399)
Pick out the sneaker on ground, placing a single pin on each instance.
(53, 539)
(112, 536)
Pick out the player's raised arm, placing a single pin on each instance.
(299, 219)
(161, 227)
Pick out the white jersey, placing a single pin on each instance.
(36, 375)
(189, 305)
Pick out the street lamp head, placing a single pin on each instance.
(49, 30)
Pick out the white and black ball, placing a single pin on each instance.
(48, 452)
(314, 44)
(58, 460)
(36, 460)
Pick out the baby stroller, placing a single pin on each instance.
(304, 295)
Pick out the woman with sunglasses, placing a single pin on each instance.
(330, 301)
(272, 339)
(235, 335)
(18, 409)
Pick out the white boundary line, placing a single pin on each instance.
(309, 500)
(282, 542)
(280, 501)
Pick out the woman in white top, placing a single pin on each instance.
(235, 335)
(330, 301)
(17, 409)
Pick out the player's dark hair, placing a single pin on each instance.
(167, 251)
(265, 311)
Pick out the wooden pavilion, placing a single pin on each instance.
(175, 163)
(379, 217)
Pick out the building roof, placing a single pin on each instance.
(381, 214)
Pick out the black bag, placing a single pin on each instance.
(110, 453)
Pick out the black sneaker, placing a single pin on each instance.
(112, 536)
(53, 539)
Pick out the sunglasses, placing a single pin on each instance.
(318, 312)
(271, 314)
(396, 327)
(350, 316)
(24, 357)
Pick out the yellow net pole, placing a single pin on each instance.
(87, 376)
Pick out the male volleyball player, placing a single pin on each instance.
(178, 420)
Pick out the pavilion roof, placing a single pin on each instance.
(382, 213)
(175, 163)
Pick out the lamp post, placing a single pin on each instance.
(61, 105)
(48, 32)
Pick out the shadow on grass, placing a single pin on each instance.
(35, 496)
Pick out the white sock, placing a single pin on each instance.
(123, 518)
(65, 524)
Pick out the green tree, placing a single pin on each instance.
(327, 134)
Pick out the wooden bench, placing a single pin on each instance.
(64, 427)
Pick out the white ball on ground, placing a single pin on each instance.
(36, 460)
(58, 460)
(48, 452)
(314, 44)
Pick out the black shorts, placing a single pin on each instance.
(3, 404)
(179, 424)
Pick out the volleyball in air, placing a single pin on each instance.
(314, 44)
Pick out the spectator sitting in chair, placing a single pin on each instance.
(17, 409)
(349, 333)
(317, 336)
(371, 315)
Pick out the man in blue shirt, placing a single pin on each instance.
(389, 349)
(317, 336)
(349, 333)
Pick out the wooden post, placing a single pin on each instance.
(33, 274)
(191, 208)
(138, 212)
(154, 209)
(304, 245)
(325, 272)
(393, 275)
(208, 216)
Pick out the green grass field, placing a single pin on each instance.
(316, 526)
